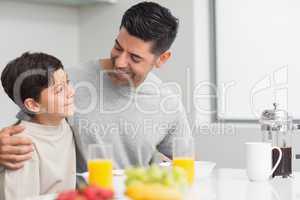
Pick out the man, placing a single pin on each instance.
(119, 101)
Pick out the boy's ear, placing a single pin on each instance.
(31, 105)
(162, 59)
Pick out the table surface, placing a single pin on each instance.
(231, 184)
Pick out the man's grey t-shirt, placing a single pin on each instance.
(137, 122)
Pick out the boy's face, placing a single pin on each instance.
(58, 98)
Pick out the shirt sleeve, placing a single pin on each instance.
(1, 168)
(22, 183)
(179, 128)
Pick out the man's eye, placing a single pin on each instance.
(135, 59)
(117, 48)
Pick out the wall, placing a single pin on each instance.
(35, 27)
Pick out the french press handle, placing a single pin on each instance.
(297, 127)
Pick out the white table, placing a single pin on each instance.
(233, 184)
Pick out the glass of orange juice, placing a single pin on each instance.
(100, 165)
(184, 156)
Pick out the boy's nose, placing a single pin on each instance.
(71, 91)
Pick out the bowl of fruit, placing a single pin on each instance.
(155, 183)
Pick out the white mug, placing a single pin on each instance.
(259, 160)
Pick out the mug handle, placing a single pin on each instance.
(278, 160)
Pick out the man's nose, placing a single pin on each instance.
(121, 61)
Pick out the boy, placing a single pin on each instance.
(38, 84)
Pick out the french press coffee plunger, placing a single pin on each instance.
(277, 127)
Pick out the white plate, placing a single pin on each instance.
(116, 172)
(202, 168)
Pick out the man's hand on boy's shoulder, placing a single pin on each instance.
(14, 151)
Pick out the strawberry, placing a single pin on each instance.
(80, 197)
(68, 195)
(88, 193)
(91, 193)
(97, 193)
(106, 194)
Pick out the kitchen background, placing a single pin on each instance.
(78, 31)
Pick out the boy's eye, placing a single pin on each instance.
(59, 89)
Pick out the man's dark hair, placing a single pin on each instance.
(150, 21)
(26, 76)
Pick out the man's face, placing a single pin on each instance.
(131, 58)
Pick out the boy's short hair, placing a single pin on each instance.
(26, 76)
(152, 22)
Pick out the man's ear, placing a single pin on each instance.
(31, 105)
(162, 59)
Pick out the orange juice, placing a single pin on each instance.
(188, 164)
(100, 173)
